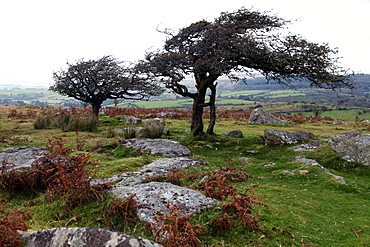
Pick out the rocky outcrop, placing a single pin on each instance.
(167, 165)
(259, 116)
(83, 237)
(352, 147)
(164, 147)
(153, 198)
(160, 166)
(21, 158)
(272, 136)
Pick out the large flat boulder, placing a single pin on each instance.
(83, 237)
(284, 137)
(21, 158)
(154, 196)
(352, 147)
(164, 147)
(161, 166)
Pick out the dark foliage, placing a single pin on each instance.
(95, 81)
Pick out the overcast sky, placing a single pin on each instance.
(40, 36)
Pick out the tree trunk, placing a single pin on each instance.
(95, 109)
(198, 107)
(196, 118)
(212, 110)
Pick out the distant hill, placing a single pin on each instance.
(360, 96)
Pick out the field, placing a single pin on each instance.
(301, 209)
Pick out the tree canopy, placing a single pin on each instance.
(95, 81)
(239, 43)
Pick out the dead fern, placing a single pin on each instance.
(222, 223)
(10, 223)
(14, 181)
(217, 187)
(121, 211)
(57, 175)
(67, 176)
(173, 230)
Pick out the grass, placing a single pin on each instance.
(341, 114)
(314, 208)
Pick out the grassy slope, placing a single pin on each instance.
(315, 208)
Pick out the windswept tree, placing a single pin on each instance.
(95, 81)
(239, 43)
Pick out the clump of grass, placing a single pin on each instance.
(67, 122)
(126, 152)
(43, 122)
(130, 132)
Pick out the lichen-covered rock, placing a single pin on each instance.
(154, 196)
(157, 124)
(167, 165)
(83, 237)
(352, 147)
(164, 147)
(21, 158)
(259, 116)
(160, 166)
(284, 137)
(311, 146)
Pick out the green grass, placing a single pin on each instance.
(339, 114)
(315, 208)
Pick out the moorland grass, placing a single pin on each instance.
(303, 210)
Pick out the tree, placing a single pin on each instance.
(95, 81)
(239, 43)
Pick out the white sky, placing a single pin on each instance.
(40, 36)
